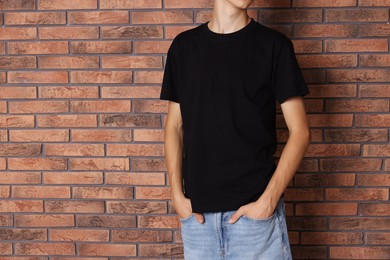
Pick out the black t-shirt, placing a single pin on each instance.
(227, 85)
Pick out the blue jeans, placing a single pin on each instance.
(246, 239)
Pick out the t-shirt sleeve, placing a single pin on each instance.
(169, 87)
(287, 79)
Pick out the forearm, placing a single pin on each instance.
(289, 161)
(173, 145)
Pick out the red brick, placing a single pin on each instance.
(168, 249)
(130, 92)
(121, 47)
(355, 135)
(18, 107)
(17, 5)
(16, 92)
(378, 238)
(101, 76)
(2, 47)
(107, 221)
(65, 62)
(38, 77)
(375, 60)
(331, 238)
(326, 120)
(20, 178)
(74, 150)
(356, 45)
(37, 164)
(101, 135)
(323, 3)
(3, 164)
(73, 177)
(153, 193)
(21, 62)
(358, 223)
(374, 209)
(21, 206)
(69, 32)
(358, 75)
(79, 235)
(2, 77)
(100, 249)
(146, 135)
(67, 120)
(328, 60)
(307, 46)
(368, 179)
(44, 220)
(357, 15)
(3, 107)
(16, 121)
(18, 33)
(65, 5)
(6, 248)
(147, 76)
(160, 47)
(104, 17)
(325, 179)
(372, 120)
(351, 164)
(131, 62)
(291, 16)
(164, 17)
(329, 209)
(69, 92)
(359, 252)
(326, 30)
(361, 105)
(141, 236)
(135, 178)
(374, 30)
(109, 164)
(35, 18)
(376, 150)
(3, 135)
(361, 194)
(74, 206)
(52, 135)
(102, 192)
(121, 4)
(131, 32)
(135, 150)
(106, 106)
(146, 164)
(44, 248)
(46, 47)
(374, 3)
(136, 207)
(40, 192)
(11, 149)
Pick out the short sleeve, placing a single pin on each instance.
(287, 78)
(169, 87)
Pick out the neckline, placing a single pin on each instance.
(228, 36)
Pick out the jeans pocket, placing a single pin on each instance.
(183, 220)
(260, 219)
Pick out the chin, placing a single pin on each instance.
(241, 4)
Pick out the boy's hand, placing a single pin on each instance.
(183, 208)
(259, 209)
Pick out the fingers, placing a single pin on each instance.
(236, 215)
(199, 217)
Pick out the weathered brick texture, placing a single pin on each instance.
(82, 172)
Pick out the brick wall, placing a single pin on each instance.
(81, 127)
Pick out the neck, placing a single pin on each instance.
(228, 18)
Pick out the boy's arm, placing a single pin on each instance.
(293, 152)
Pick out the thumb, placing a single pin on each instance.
(199, 217)
(236, 215)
